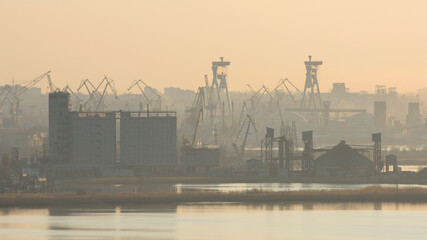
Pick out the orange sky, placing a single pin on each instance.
(172, 43)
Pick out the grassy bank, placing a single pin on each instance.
(371, 194)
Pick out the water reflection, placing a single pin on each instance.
(222, 187)
(220, 221)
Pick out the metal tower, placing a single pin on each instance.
(311, 103)
(220, 97)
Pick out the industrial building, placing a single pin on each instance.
(92, 137)
(199, 158)
(342, 160)
(380, 115)
(148, 139)
(414, 118)
(83, 143)
(59, 107)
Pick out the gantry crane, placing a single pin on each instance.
(219, 95)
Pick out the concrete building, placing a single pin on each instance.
(380, 115)
(59, 107)
(200, 157)
(414, 118)
(84, 143)
(342, 160)
(148, 139)
(339, 89)
(92, 137)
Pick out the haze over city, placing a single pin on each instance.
(238, 119)
(170, 43)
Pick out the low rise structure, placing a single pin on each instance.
(342, 160)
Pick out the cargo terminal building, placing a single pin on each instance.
(110, 143)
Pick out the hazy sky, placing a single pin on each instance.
(172, 43)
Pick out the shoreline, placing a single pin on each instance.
(369, 194)
(244, 179)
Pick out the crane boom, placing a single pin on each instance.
(149, 101)
(197, 126)
(250, 123)
(52, 89)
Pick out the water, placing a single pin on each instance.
(278, 187)
(412, 168)
(220, 221)
(228, 187)
(233, 187)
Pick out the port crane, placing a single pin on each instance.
(91, 91)
(96, 97)
(197, 126)
(109, 83)
(16, 90)
(77, 100)
(248, 122)
(252, 90)
(193, 144)
(288, 85)
(11, 93)
(242, 113)
(199, 101)
(256, 98)
(156, 103)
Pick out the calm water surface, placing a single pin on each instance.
(220, 221)
(225, 187)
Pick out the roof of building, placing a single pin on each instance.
(343, 156)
